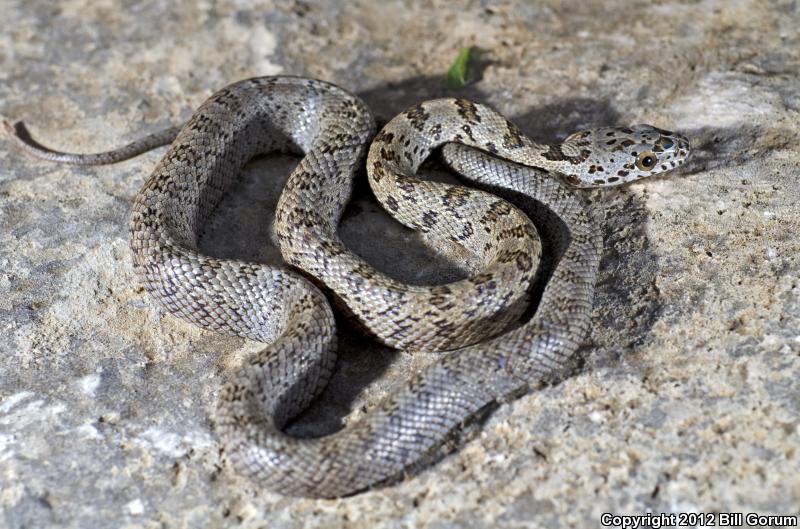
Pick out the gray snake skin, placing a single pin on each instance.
(280, 307)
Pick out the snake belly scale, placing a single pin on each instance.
(331, 129)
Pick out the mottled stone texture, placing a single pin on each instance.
(686, 398)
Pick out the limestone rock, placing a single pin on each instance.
(686, 398)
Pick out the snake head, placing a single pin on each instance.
(617, 155)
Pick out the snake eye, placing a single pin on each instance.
(646, 161)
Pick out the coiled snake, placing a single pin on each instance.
(331, 129)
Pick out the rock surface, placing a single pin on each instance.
(686, 399)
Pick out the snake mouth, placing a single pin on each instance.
(683, 150)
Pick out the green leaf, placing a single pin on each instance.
(457, 75)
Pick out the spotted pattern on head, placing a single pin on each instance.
(617, 155)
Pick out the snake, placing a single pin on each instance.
(489, 348)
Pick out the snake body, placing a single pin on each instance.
(331, 129)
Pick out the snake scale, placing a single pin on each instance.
(331, 129)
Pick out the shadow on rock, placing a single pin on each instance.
(625, 304)
(714, 147)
